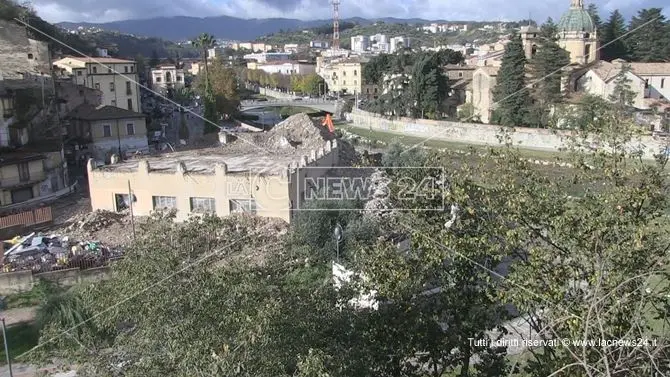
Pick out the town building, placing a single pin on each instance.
(116, 78)
(360, 43)
(319, 45)
(102, 131)
(398, 43)
(215, 52)
(30, 173)
(165, 79)
(284, 68)
(291, 48)
(268, 56)
(656, 77)
(578, 35)
(342, 75)
(483, 82)
(212, 180)
(379, 43)
(529, 39)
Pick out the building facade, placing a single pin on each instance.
(210, 182)
(106, 130)
(342, 75)
(165, 79)
(483, 82)
(116, 78)
(577, 34)
(284, 68)
(26, 175)
(398, 43)
(656, 77)
(360, 43)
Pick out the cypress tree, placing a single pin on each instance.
(613, 45)
(650, 36)
(510, 94)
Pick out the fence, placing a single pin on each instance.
(34, 217)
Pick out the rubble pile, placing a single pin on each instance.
(42, 253)
(96, 220)
(298, 132)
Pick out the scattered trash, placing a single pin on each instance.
(42, 253)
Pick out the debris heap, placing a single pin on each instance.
(96, 220)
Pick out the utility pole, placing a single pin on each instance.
(132, 216)
(4, 336)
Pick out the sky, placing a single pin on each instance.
(471, 10)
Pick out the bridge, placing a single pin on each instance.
(313, 103)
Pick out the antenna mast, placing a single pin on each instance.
(336, 24)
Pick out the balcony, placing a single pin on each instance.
(18, 182)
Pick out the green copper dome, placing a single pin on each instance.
(576, 19)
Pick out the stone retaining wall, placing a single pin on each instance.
(482, 134)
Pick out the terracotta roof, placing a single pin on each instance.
(86, 111)
(650, 68)
(99, 60)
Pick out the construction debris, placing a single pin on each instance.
(96, 220)
(42, 253)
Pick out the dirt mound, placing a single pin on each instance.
(96, 220)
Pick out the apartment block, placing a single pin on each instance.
(116, 78)
(165, 79)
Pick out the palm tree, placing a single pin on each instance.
(205, 42)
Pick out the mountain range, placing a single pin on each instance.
(182, 28)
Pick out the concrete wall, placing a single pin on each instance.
(22, 281)
(482, 134)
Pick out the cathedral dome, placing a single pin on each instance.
(576, 19)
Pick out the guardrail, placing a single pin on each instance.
(288, 101)
(27, 218)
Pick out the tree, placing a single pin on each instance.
(510, 93)
(223, 87)
(155, 60)
(547, 72)
(622, 95)
(204, 42)
(429, 87)
(593, 11)
(650, 36)
(613, 41)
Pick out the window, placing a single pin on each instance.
(97, 86)
(114, 102)
(130, 104)
(460, 74)
(95, 69)
(130, 128)
(164, 202)
(355, 72)
(203, 205)
(344, 82)
(132, 68)
(106, 130)
(243, 206)
(157, 79)
(128, 91)
(178, 78)
(30, 56)
(344, 73)
(78, 73)
(122, 201)
(111, 86)
(109, 70)
(125, 69)
(24, 172)
(646, 84)
(662, 83)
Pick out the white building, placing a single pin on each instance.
(102, 52)
(267, 56)
(167, 78)
(398, 43)
(319, 44)
(291, 48)
(656, 77)
(360, 43)
(285, 68)
(214, 53)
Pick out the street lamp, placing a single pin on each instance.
(338, 235)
